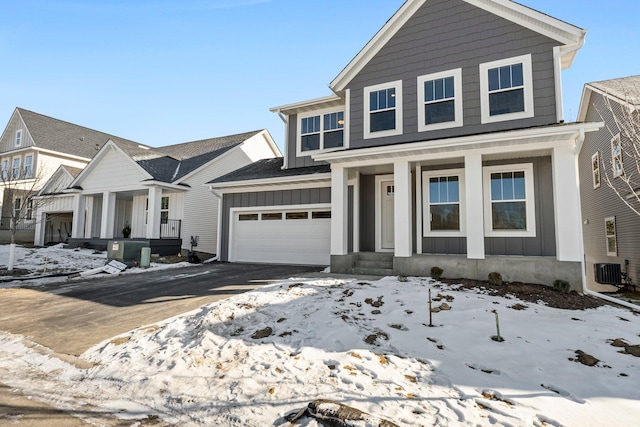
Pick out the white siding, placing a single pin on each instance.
(54, 204)
(113, 172)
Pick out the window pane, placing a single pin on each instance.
(511, 101)
(311, 142)
(333, 139)
(373, 101)
(271, 216)
(453, 189)
(321, 215)
(445, 217)
(517, 76)
(297, 215)
(439, 87)
(448, 87)
(384, 120)
(248, 217)
(505, 77)
(496, 186)
(509, 216)
(434, 190)
(439, 112)
(428, 91)
(382, 99)
(507, 186)
(341, 120)
(164, 203)
(391, 101)
(494, 79)
(519, 191)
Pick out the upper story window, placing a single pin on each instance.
(18, 138)
(4, 170)
(616, 156)
(15, 170)
(28, 166)
(321, 131)
(383, 110)
(595, 169)
(440, 100)
(509, 201)
(506, 89)
(444, 203)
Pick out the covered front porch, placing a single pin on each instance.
(501, 202)
(152, 215)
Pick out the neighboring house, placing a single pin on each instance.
(442, 144)
(611, 228)
(157, 193)
(32, 147)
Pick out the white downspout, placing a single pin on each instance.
(285, 120)
(219, 196)
(586, 290)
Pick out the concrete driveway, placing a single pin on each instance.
(72, 317)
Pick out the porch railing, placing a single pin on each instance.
(170, 229)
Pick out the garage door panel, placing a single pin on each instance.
(285, 241)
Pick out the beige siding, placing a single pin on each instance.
(8, 141)
(113, 171)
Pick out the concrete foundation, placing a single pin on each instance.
(540, 270)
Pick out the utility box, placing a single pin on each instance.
(145, 257)
(127, 251)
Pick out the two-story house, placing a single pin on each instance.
(609, 179)
(32, 147)
(443, 144)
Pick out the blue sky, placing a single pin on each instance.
(162, 72)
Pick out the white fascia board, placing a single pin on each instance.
(610, 96)
(378, 41)
(298, 181)
(98, 157)
(292, 108)
(585, 100)
(536, 21)
(167, 185)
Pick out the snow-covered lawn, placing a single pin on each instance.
(253, 358)
(56, 260)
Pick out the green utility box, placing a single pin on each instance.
(127, 251)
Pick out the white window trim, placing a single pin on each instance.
(595, 161)
(320, 113)
(13, 168)
(616, 174)
(614, 235)
(397, 85)
(457, 99)
(18, 140)
(4, 169)
(530, 200)
(527, 72)
(426, 175)
(24, 166)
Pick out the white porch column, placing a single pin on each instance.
(88, 219)
(79, 215)
(356, 213)
(566, 204)
(402, 208)
(153, 218)
(108, 215)
(339, 210)
(474, 208)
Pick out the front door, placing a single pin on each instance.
(385, 214)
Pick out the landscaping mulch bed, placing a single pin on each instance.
(532, 293)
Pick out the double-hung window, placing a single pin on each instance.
(383, 110)
(19, 138)
(164, 210)
(28, 167)
(595, 169)
(610, 234)
(616, 156)
(321, 131)
(509, 201)
(15, 170)
(444, 213)
(4, 170)
(440, 100)
(506, 89)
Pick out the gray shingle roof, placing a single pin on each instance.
(625, 88)
(64, 137)
(269, 168)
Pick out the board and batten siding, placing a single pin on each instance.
(139, 212)
(444, 35)
(8, 142)
(600, 203)
(294, 160)
(113, 171)
(266, 199)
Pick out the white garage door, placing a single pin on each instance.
(286, 236)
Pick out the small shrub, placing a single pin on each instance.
(436, 272)
(562, 286)
(495, 278)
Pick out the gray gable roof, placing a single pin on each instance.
(64, 137)
(170, 163)
(626, 88)
(269, 168)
